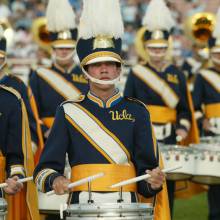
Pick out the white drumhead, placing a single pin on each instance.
(51, 204)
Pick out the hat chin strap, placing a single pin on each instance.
(3, 64)
(102, 82)
(68, 56)
(160, 55)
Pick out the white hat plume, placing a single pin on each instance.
(60, 16)
(101, 17)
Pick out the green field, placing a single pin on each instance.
(195, 208)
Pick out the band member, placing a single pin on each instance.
(158, 83)
(198, 27)
(16, 158)
(10, 80)
(64, 79)
(206, 99)
(101, 131)
(193, 64)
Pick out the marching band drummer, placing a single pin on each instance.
(206, 99)
(63, 80)
(10, 80)
(158, 83)
(16, 155)
(101, 131)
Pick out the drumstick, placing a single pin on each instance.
(80, 182)
(2, 185)
(143, 177)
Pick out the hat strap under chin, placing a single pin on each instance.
(68, 56)
(102, 82)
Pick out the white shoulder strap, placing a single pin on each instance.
(96, 133)
(212, 77)
(59, 83)
(157, 84)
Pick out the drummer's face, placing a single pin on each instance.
(66, 55)
(104, 71)
(156, 54)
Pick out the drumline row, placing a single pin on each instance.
(200, 162)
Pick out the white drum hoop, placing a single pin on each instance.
(107, 211)
(210, 139)
(207, 164)
(177, 155)
(51, 204)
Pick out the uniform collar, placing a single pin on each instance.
(62, 70)
(165, 65)
(112, 101)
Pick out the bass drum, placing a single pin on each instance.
(110, 211)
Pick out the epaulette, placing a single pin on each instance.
(80, 99)
(15, 77)
(143, 62)
(11, 90)
(135, 100)
(42, 67)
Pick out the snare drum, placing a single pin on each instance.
(51, 204)
(110, 211)
(3, 209)
(175, 155)
(207, 164)
(210, 139)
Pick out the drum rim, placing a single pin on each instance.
(116, 208)
(3, 205)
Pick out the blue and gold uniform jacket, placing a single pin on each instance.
(165, 94)
(17, 84)
(191, 67)
(206, 97)
(94, 137)
(11, 133)
(53, 85)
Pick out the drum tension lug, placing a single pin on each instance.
(120, 196)
(90, 193)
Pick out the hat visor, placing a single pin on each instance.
(103, 59)
(64, 44)
(70, 46)
(157, 45)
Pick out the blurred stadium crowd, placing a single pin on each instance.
(22, 13)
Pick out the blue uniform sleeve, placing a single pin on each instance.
(198, 95)
(187, 70)
(144, 153)
(14, 154)
(130, 86)
(198, 92)
(32, 122)
(52, 161)
(183, 109)
(34, 84)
